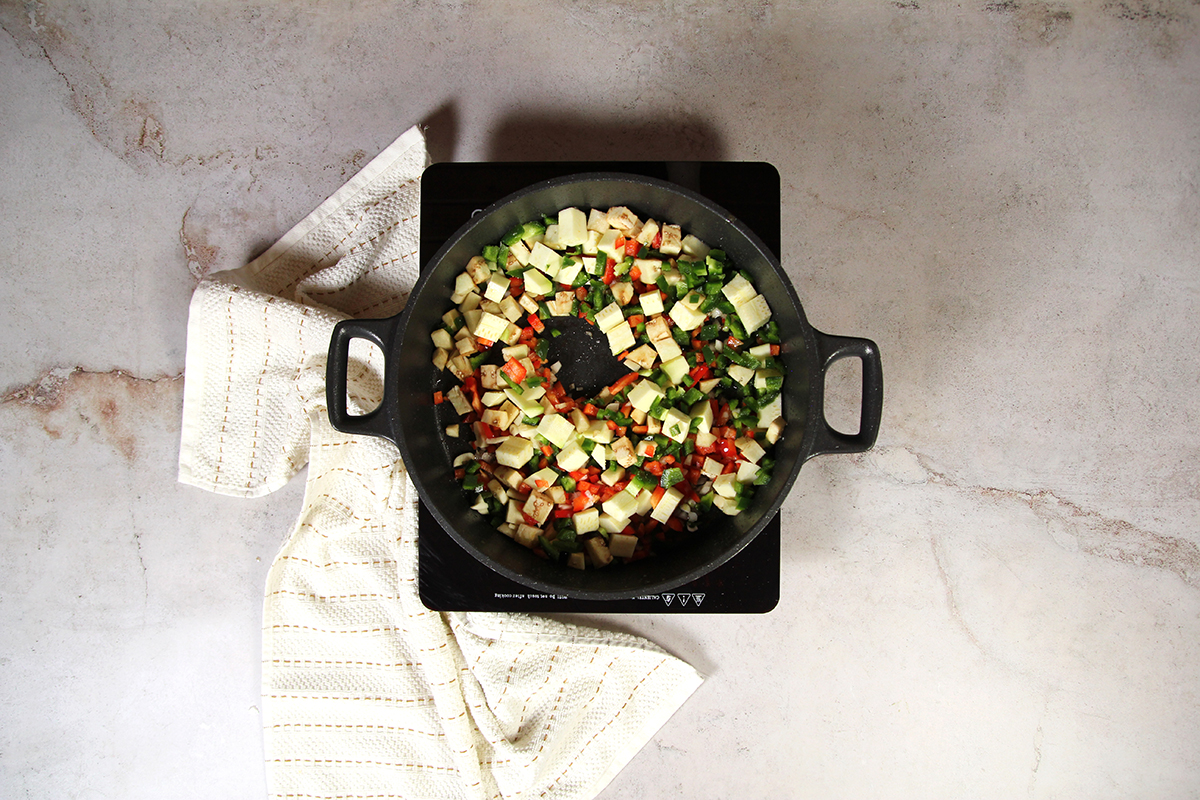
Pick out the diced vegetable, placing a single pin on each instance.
(556, 428)
(514, 452)
(572, 227)
(739, 290)
(586, 481)
(754, 313)
(686, 313)
(586, 521)
(537, 283)
(609, 317)
(643, 395)
(620, 337)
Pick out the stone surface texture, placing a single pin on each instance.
(1001, 600)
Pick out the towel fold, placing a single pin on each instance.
(366, 693)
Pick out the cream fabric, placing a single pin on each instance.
(367, 694)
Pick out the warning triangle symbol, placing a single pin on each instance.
(683, 598)
(667, 598)
(698, 597)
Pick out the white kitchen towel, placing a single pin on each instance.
(367, 694)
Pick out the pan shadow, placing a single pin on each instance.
(441, 132)
(551, 136)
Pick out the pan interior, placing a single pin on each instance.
(586, 363)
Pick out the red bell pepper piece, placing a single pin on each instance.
(622, 382)
(514, 370)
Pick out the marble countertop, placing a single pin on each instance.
(1001, 599)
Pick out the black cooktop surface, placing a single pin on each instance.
(450, 578)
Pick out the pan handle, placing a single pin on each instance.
(373, 423)
(831, 349)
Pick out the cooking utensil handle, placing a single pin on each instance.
(373, 423)
(834, 348)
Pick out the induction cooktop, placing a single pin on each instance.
(450, 578)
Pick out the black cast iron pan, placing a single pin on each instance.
(408, 417)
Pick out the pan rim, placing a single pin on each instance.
(725, 218)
